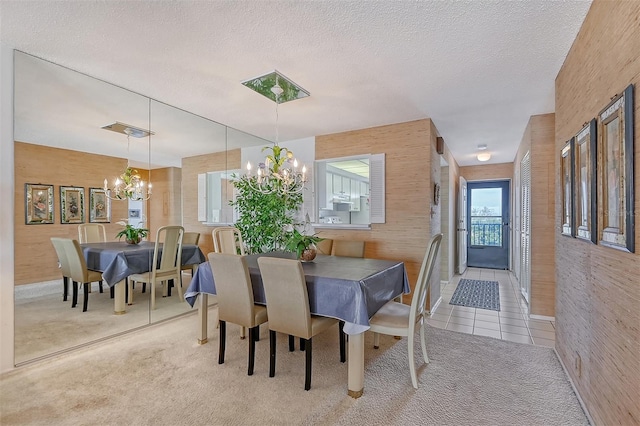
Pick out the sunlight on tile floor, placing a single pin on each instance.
(510, 323)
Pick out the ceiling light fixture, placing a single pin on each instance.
(273, 175)
(484, 156)
(129, 185)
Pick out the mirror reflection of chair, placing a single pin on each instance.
(63, 264)
(76, 266)
(324, 246)
(348, 248)
(285, 289)
(235, 300)
(91, 233)
(190, 238)
(397, 319)
(169, 266)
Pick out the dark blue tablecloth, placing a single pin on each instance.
(350, 289)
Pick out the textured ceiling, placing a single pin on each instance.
(479, 68)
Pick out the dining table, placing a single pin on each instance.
(345, 288)
(118, 260)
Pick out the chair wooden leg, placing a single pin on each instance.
(85, 303)
(302, 341)
(152, 289)
(272, 352)
(423, 342)
(100, 286)
(376, 340)
(65, 288)
(256, 334)
(412, 364)
(223, 336)
(112, 292)
(74, 296)
(307, 365)
(252, 349)
(243, 332)
(343, 352)
(292, 343)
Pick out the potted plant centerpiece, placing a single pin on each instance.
(132, 234)
(303, 245)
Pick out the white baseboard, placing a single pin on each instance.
(575, 390)
(542, 317)
(435, 307)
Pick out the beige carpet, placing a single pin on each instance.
(161, 376)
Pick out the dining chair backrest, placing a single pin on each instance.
(324, 246)
(75, 259)
(348, 248)
(62, 256)
(233, 288)
(191, 238)
(228, 240)
(285, 289)
(91, 233)
(418, 303)
(171, 238)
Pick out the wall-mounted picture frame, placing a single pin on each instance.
(71, 204)
(586, 189)
(99, 206)
(134, 214)
(38, 204)
(615, 173)
(567, 178)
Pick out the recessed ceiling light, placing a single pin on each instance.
(482, 146)
(127, 129)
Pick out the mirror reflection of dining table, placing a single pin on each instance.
(349, 289)
(118, 260)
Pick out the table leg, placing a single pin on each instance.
(203, 309)
(119, 301)
(356, 365)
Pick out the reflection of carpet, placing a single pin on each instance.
(477, 294)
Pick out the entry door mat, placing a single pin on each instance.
(477, 294)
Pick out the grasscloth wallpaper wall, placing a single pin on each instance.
(598, 288)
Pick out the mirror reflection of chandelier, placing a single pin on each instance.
(280, 172)
(129, 185)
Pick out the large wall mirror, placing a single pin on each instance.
(59, 142)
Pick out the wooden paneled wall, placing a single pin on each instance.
(35, 259)
(191, 167)
(165, 205)
(598, 288)
(539, 141)
(409, 149)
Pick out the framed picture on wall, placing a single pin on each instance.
(71, 204)
(99, 206)
(586, 189)
(615, 173)
(567, 177)
(38, 204)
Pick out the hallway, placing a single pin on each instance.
(510, 323)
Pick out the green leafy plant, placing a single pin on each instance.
(299, 242)
(131, 233)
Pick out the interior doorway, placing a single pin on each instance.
(488, 224)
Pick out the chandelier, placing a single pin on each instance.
(280, 172)
(129, 185)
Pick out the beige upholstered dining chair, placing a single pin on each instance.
(64, 266)
(91, 233)
(76, 267)
(227, 240)
(235, 300)
(285, 289)
(398, 319)
(169, 266)
(324, 246)
(348, 248)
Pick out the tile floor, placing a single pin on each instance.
(510, 323)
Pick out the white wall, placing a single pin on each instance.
(6, 208)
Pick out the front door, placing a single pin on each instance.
(488, 224)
